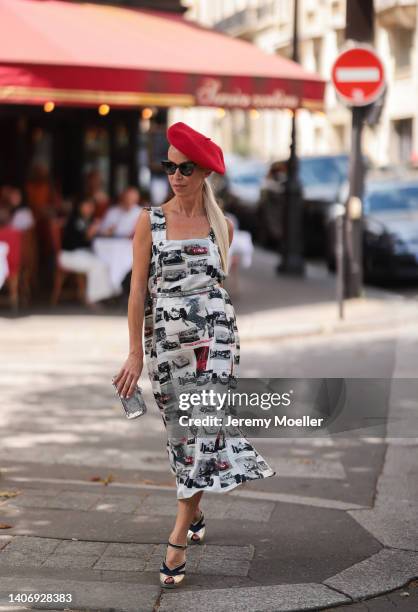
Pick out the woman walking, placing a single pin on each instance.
(191, 337)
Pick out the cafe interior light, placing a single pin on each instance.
(220, 112)
(147, 113)
(104, 109)
(49, 107)
(254, 113)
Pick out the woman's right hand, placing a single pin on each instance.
(129, 374)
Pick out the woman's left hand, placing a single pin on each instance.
(129, 374)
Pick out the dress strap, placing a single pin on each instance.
(158, 226)
(212, 236)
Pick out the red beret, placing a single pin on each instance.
(196, 147)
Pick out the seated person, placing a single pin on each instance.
(21, 215)
(120, 220)
(10, 253)
(76, 254)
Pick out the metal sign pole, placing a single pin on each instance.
(354, 214)
(339, 256)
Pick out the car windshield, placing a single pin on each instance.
(246, 179)
(392, 198)
(248, 175)
(320, 170)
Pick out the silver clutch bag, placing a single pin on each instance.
(133, 406)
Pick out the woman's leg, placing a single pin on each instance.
(197, 509)
(187, 511)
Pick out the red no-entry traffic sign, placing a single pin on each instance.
(358, 76)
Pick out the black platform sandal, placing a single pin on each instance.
(171, 578)
(197, 531)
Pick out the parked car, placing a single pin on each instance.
(239, 189)
(321, 179)
(390, 229)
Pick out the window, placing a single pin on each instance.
(336, 8)
(340, 38)
(402, 42)
(401, 141)
(340, 133)
(317, 51)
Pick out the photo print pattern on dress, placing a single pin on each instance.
(191, 344)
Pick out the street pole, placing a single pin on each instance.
(339, 256)
(291, 261)
(353, 219)
(360, 28)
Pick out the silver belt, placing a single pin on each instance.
(184, 293)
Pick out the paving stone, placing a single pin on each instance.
(400, 487)
(94, 596)
(74, 500)
(282, 598)
(31, 501)
(162, 505)
(384, 571)
(70, 561)
(239, 553)
(116, 503)
(125, 564)
(391, 526)
(5, 540)
(32, 544)
(22, 559)
(29, 491)
(70, 547)
(224, 567)
(139, 551)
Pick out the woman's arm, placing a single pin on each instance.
(142, 242)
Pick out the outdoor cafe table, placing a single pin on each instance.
(116, 253)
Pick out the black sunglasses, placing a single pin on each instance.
(186, 168)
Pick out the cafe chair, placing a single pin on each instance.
(61, 274)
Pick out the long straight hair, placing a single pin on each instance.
(218, 223)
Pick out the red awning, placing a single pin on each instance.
(86, 54)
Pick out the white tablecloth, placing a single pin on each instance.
(242, 245)
(116, 253)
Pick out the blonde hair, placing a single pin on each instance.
(218, 223)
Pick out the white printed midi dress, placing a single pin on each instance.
(192, 344)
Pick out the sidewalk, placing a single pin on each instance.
(338, 525)
(270, 305)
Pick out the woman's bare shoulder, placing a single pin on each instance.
(143, 225)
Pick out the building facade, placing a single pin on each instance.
(269, 24)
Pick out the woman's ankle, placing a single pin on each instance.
(198, 513)
(178, 538)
